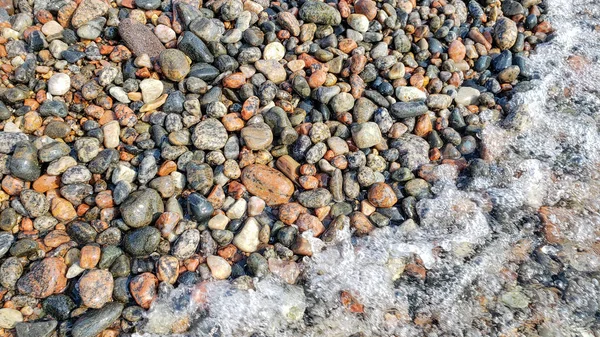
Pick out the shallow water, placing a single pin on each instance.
(483, 237)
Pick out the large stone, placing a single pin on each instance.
(268, 184)
(93, 322)
(257, 136)
(320, 13)
(139, 38)
(45, 279)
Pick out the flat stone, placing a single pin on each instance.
(139, 38)
(93, 322)
(36, 329)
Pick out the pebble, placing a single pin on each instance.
(45, 279)
(257, 136)
(36, 329)
(274, 51)
(319, 13)
(141, 208)
(366, 135)
(143, 289)
(151, 89)
(267, 183)
(9, 318)
(209, 134)
(219, 267)
(174, 64)
(247, 239)
(94, 322)
(139, 38)
(59, 84)
(95, 288)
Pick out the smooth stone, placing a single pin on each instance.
(141, 208)
(316, 198)
(267, 183)
(24, 163)
(320, 13)
(257, 136)
(410, 94)
(199, 207)
(247, 239)
(194, 48)
(408, 109)
(9, 318)
(59, 84)
(142, 241)
(272, 69)
(366, 135)
(209, 134)
(219, 267)
(36, 329)
(151, 89)
(467, 96)
(174, 64)
(94, 322)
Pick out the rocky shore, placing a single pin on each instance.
(150, 144)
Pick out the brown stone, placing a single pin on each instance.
(366, 7)
(46, 183)
(56, 238)
(12, 185)
(361, 223)
(288, 166)
(234, 80)
(268, 184)
(423, 126)
(95, 288)
(143, 289)
(90, 255)
(139, 38)
(457, 51)
(310, 222)
(382, 195)
(289, 213)
(44, 279)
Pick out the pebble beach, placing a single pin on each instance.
(299, 168)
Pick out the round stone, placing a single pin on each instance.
(209, 134)
(382, 195)
(59, 84)
(274, 51)
(174, 64)
(257, 136)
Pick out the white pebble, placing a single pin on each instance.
(274, 51)
(59, 84)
